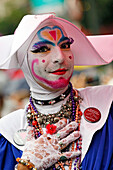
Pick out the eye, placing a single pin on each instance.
(65, 45)
(41, 49)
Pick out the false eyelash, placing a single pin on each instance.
(71, 40)
(41, 49)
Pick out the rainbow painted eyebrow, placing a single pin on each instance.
(40, 47)
(69, 40)
(41, 44)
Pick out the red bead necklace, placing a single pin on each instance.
(76, 116)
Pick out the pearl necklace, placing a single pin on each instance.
(72, 107)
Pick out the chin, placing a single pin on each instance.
(54, 85)
(58, 84)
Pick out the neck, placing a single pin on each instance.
(52, 101)
(47, 95)
(45, 109)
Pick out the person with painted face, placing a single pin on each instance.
(60, 127)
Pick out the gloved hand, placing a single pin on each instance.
(46, 150)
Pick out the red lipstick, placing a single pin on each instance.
(59, 71)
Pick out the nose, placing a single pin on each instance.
(59, 56)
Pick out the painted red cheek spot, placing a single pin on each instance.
(43, 61)
(70, 57)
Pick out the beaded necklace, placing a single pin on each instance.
(72, 106)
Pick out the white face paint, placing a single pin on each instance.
(50, 59)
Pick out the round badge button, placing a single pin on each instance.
(20, 137)
(92, 115)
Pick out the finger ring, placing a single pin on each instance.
(63, 158)
(58, 135)
(62, 146)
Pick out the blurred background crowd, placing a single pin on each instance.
(91, 16)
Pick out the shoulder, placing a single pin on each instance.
(12, 118)
(99, 97)
(104, 92)
(97, 89)
(11, 123)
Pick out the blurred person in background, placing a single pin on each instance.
(15, 94)
(61, 127)
(14, 91)
(75, 11)
(3, 81)
(79, 81)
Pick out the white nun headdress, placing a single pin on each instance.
(83, 50)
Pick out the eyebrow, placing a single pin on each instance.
(49, 42)
(63, 39)
(43, 43)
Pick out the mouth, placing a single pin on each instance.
(59, 71)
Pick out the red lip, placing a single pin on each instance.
(59, 71)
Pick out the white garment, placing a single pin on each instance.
(16, 55)
(99, 97)
(93, 51)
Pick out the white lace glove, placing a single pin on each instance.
(46, 151)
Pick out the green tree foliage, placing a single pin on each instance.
(97, 13)
(9, 23)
